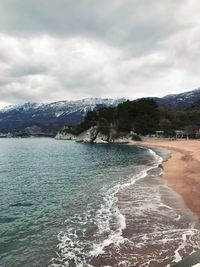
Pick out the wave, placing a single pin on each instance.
(88, 235)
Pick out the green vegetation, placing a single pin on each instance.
(187, 120)
(142, 117)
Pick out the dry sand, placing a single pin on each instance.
(182, 171)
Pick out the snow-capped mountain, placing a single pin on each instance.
(47, 119)
(179, 101)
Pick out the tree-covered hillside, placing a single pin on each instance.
(142, 116)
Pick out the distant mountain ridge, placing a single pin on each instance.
(46, 119)
(179, 101)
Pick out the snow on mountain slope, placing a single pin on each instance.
(179, 101)
(90, 103)
(49, 117)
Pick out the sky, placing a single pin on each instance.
(53, 50)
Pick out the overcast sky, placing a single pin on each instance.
(65, 49)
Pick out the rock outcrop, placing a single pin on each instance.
(6, 135)
(94, 135)
(88, 136)
(101, 139)
(67, 136)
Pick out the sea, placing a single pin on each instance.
(67, 204)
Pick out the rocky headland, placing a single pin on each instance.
(94, 135)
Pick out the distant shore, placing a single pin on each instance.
(182, 171)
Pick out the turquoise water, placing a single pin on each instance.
(57, 197)
(65, 204)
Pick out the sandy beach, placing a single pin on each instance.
(160, 228)
(182, 171)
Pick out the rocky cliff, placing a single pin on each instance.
(94, 135)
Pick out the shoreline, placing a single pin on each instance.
(182, 169)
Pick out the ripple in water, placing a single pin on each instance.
(68, 204)
(139, 223)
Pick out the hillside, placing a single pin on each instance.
(47, 119)
(34, 119)
(179, 101)
(131, 119)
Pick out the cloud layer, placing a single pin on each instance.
(64, 49)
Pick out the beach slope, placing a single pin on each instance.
(182, 171)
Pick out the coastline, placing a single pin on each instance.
(182, 170)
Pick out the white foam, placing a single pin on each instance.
(116, 237)
(79, 251)
(158, 159)
(71, 247)
(109, 208)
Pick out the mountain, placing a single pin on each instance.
(46, 119)
(140, 117)
(179, 101)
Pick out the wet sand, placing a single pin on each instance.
(182, 171)
(160, 229)
(161, 226)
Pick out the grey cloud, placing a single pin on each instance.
(15, 96)
(27, 70)
(59, 49)
(89, 83)
(137, 25)
(4, 81)
(3, 57)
